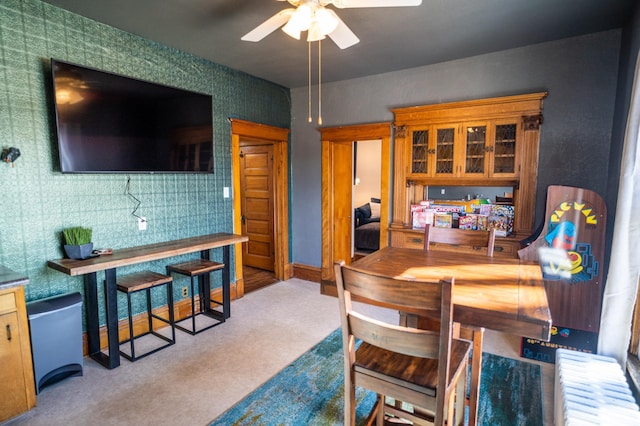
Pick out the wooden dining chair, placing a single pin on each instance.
(461, 240)
(426, 369)
(454, 238)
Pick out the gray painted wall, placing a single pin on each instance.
(579, 73)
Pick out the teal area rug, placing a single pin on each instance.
(310, 392)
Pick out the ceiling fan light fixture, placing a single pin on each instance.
(315, 33)
(326, 21)
(301, 18)
(291, 31)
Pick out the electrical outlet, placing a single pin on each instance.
(185, 291)
(142, 224)
(442, 191)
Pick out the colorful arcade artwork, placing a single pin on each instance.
(572, 258)
(570, 251)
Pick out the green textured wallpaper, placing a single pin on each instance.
(38, 201)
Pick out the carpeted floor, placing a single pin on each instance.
(200, 377)
(310, 392)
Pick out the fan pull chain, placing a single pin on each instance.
(320, 82)
(309, 55)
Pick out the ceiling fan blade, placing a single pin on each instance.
(343, 4)
(342, 35)
(269, 26)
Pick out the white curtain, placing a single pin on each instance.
(624, 267)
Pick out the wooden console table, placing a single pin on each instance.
(129, 256)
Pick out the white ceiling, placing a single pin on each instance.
(391, 38)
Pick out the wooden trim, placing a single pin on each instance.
(488, 108)
(279, 138)
(349, 134)
(307, 273)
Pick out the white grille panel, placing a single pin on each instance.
(592, 390)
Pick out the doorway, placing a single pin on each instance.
(337, 193)
(367, 162)
(257, 213)
(260, 187)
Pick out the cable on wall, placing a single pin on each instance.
(138, 202)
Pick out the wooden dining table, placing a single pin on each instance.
(498, 293)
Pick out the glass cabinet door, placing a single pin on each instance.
(445, 138)
(419, 151)
(504, 151)
(475, 149)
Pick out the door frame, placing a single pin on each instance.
(279, 138)
(340, 135)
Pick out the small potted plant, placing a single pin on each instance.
(78, 243)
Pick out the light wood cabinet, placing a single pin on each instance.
(484, 142)
(16, 374)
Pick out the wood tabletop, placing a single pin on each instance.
(146, 253)
(499, 293)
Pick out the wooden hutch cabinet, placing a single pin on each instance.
(484, 142)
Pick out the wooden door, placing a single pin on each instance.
(342, 190)
(257, 201)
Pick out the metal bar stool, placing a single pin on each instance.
(146, 280)
(197, 269)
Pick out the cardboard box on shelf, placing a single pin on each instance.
(501, 219)
(421, 218)
(469, 221)
(482, 222)
(442, 220)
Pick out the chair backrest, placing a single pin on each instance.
(472, 240)
(430, 298)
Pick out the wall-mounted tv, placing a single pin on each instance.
(108, 123)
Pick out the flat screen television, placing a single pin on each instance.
(109, 123)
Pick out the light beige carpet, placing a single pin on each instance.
(198, 378)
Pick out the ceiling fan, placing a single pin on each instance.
(318, 20)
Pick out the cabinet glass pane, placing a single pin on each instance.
(444, 151)
(505, 149)
(419, 151)
(476, 140)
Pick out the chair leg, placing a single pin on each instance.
(461, 391)
(349, 401)
(129, 310)
(171, 309)
(201, 293)
(380, 410)
(476, 370)
(451, 406)
(149, 316)
(193, 306)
